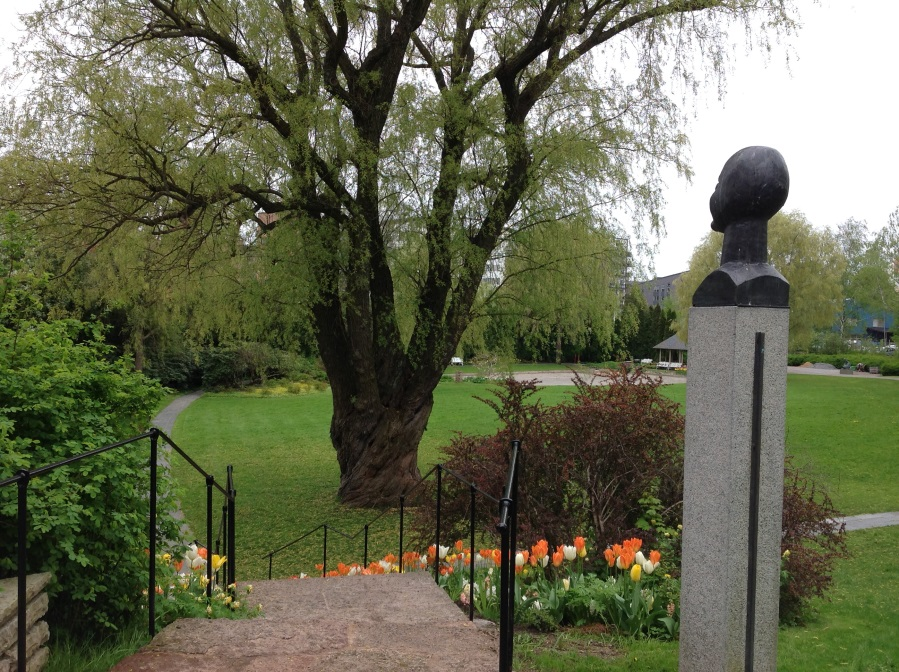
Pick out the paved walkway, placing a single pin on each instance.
(390, 623)
(165, 419)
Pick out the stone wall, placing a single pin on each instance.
(38, 632)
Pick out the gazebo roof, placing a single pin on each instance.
(671, 343)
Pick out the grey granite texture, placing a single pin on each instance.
(717, 488)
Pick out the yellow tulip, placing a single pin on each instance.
(218, 561)
(636, 570)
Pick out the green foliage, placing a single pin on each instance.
(62, 394)
(232, 366)
(838, 360)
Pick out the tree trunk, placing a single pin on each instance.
(377, 448)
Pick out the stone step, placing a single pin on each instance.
(352, 624)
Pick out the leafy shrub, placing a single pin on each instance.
(890, 368)
(584, 464)
(61, 395)
(868, 359)
(243, 363)
(811, 544)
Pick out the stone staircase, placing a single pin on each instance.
(385, 623)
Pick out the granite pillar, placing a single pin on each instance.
(717, 488)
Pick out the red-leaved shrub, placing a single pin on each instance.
(583, 465)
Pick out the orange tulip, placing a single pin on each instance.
(655, 557)
(458, 545)
(558, 557)
(497, 557)
(609, 555)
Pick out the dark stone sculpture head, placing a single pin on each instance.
(752, 187)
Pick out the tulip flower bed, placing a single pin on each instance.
(181, 589)
(552, 588)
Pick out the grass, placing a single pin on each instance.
(70, 655)
(286, 472)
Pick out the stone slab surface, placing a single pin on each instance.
(34, 610)
(370, 623)
(9, 592)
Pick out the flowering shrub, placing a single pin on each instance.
(181, 590)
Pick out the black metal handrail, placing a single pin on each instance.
(507, 527)
(23, 476)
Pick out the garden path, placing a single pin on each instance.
(352, 624)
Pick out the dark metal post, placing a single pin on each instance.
(505, 662)
(210, 480)
(270, 558)
(754, 486)
(365, 550)
(325, 552)
(232, 524)
(151, 588)
(471, 561)
(22, 552)
(437, 531)
(402, 511)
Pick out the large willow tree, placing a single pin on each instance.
(386, 149)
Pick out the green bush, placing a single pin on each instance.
(59, 397)
(890, 368)
(867, 359)
(61, 394)
(240, 364)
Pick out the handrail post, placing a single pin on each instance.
(325, 552)
(508, 539)
(210, 481)
(471, 558)
(231, 546)
(22, 552)
(402, 510)
(437, 531)
(365, 550)
(151, 588)
(505, 664)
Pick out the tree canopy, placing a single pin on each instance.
(810, 259)
(386, 150)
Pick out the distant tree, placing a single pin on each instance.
(810, 260)
(853, 238)
(399, 145)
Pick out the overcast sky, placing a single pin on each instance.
(833, 115)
